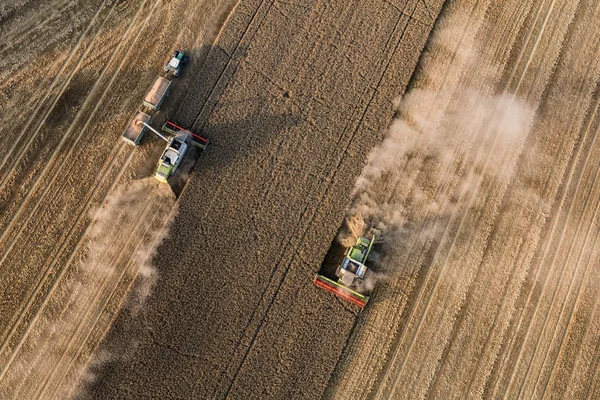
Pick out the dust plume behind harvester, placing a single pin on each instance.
(179, 140)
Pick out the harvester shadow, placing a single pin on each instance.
(228, 142)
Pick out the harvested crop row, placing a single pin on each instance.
(424, 189)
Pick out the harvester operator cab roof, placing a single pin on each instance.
(174, 63)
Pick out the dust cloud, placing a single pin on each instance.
(118, 245)
(442, 125)
(145, 209)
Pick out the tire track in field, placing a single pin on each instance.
(594, 359)
(79, 217)
(229, 62)
(112, 158)
(569, 175)
(283, 251)
(107, 288)
(46, 96)
(113, 153)
(58, 278)
(595, 362)
(563, 270)
(441, 189)
(546, 279)
(21, 33)
(461, 314)
(555, 294)
(496, 316)
(127, 269)
(324, 195)
(545, 249)
(213, 94)
(394, 193)
(56, 344)
(7, 249)
(577, 266)
(573, 307)
(424, 235)
(454, 214)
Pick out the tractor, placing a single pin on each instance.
(176, 64)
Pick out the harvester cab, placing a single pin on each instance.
(350, 274)
(171, 156)
(176, 64)
(175, 150)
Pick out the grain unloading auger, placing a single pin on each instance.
(348, 282)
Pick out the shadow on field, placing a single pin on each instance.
(229, 142)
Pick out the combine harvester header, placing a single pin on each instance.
(349, 277)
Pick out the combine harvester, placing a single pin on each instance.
(348, 282)
(177, 146)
